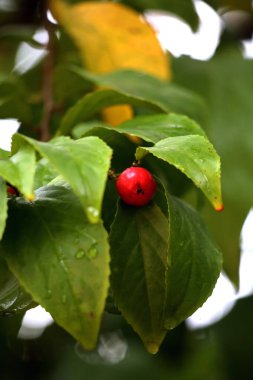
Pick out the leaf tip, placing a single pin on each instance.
(30, 197)
(152, 347)
(219, 207)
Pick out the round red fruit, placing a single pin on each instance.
(11, 191)
(136, 186)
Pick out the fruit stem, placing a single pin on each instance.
(136, 163)
(112, 175)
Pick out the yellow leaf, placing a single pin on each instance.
(110, 37)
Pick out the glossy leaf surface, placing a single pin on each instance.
(150, 128)
(195, 263)
(196, 157)
(139, 243)
(60, 258)
(13, 298)
(19, 169)
(84, 164)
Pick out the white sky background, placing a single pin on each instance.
(177, 37)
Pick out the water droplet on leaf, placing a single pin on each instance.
(93, 213)
(92, 252)
(79, 254)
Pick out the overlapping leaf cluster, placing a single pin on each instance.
(163, 263)
(66, 239)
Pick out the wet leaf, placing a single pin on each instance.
(195, 263)
(139, 243)
(84, 164)
(12, 297)
(196, 157)
(19, 169)
(60, 258)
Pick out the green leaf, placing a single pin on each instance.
(84, 164)
(4, 154)
(19, 169)
(14, 98)
(195, 263)
(44, 173)
(15, 108)
(12, 297)
(151, 128)
(84, 129)
(154, 128)
(123, 149)
(60, 258)
(196, 157)
(3, 207)
(132, 87)
(226, 83)
(139, 243)
(90, 105)
(24, 160)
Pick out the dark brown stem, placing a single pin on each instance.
(112, 175)
(47, 87)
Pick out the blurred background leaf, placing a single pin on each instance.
(226, 83)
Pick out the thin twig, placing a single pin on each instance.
(47, 86)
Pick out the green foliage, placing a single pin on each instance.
(58, 236)
(195, 263)
(66, 238)
(139, 246)
(226, 83)
(12, 296)
(3, 207)
(60, 258)
(84, 164)
(19, 169)
(168, 97)
(160, 266)
(195, 157)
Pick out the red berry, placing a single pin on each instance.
(136, 186)
(11, 191)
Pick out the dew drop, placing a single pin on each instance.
(152, 348)
(92, 252)
(79, 254)
(93, 213)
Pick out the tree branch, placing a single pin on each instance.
(47, 86)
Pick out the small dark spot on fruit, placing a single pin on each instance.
(139, 190)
